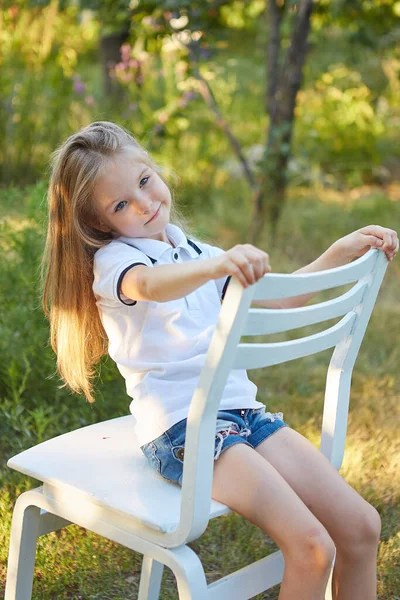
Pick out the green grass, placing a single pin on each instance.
(77, 564)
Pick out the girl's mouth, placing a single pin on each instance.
(154, 216)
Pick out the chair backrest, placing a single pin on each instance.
(237, 319)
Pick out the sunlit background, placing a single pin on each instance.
(189, 80)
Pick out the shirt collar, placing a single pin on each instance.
(155, 248)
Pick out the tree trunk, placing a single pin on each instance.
(269, 198)
(110, 54)
(284, 80)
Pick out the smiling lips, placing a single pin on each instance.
(155, 215)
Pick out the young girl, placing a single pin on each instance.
(119, 276)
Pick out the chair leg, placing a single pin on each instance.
(150, 579)
(328, 591)
(186, 567)
(22, 551)
(189, 573)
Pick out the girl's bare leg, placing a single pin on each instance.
(352, 523)
(251, 486)
(354, 579)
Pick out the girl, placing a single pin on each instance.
(120, 275)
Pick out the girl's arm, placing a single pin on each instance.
(165, 282)
(169, 282)
(342, 252)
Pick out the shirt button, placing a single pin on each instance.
(176, 256)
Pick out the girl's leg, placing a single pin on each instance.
(352, 523)
(251, 486)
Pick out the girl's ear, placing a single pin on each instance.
(94, 222)
(102, 227)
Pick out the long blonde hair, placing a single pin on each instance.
(76, 333)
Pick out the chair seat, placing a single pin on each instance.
(104, 462)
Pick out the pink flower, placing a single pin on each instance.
(182, 102)
(79, 87)
(186, 98)
(89, 100)
(125, 52)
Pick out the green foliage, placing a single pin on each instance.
(337, 121)
(371, 23)
(114, 15)
(347, 118)
(346, 125)
(38, 58)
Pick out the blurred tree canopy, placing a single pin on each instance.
(372, 23)
(162, 72)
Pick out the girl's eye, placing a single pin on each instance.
(119, 207)
(119, 204)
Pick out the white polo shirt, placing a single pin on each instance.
(160, 347)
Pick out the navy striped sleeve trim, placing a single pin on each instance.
(119, 282)
(225, 287)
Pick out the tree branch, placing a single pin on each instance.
(209, 98)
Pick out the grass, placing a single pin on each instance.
(77, 564)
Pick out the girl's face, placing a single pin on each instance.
(131, 199)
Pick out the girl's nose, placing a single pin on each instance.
(144, 208)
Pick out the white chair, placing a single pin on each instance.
(97, 477)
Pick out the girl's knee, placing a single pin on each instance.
(315, 551)
(363, 533)
(372, 526)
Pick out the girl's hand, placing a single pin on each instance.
(356, 244)
(246, 262)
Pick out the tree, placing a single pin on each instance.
(284, 76)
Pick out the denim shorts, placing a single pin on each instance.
(249, 426)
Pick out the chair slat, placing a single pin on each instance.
(276, 285)
(256, 356)
(261, 321)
